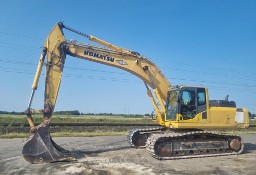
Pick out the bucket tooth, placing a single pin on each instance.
(40, 148)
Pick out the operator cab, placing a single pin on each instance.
(185, 101)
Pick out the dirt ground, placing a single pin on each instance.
(113, 155)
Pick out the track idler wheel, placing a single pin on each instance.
(139, 140)
(235, 144)
(40, 148)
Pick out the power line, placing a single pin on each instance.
(109, 78)
(21, 36)
(204, 67)
(17, 62)
(95, 70)
(66, 67)
(214, 82)
(15, 48)
(194, 71)
(72, 76)
(163, 60)
(231, 89)
(168, 68)
(20, 45)
(212, 74)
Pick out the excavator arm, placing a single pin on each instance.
(53, 57)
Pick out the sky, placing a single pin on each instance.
(209, 43)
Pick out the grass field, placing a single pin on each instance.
(252, 122)
(21, 119)
(21, 132)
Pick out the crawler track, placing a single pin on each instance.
(183, 145)
(138, 137)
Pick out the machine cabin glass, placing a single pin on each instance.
(192, 101)
(172, 104)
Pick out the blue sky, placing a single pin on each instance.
(210, 43)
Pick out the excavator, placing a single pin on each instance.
(185, 115)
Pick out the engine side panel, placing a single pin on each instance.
(214, 117)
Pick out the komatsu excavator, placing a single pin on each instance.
(183, 112)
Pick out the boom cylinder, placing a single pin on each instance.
(34, 87)
(37, 76)
(111, 46)
(39, 69)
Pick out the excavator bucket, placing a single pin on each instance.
(40, 148)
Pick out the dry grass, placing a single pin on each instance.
(21, 119)
(66, 134)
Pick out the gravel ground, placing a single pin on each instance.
(112, 155)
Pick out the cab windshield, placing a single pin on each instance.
(172, 105)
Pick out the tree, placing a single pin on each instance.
(252, 116)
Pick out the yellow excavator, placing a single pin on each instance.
(182, 112)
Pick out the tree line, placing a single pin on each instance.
(74, 112)
(77, 113)
(252, 116)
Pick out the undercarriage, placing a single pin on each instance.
(167, 144)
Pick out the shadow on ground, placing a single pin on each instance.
(249, 148)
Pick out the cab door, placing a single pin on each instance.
(192, 102)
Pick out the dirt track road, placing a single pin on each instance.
(112, 155)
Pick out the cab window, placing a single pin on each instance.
(188, 104)
(201, 97)
(188, 97)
